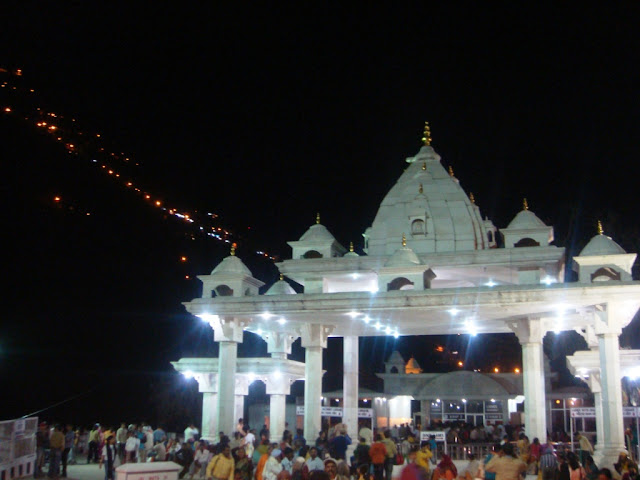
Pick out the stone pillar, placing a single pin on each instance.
(608, 326)
(277, 416)
(228, 333)
(208, 385)
(425, 414)
(596, 389)
(314, 339)
(350, 354)
(241, 390)
(530, 332)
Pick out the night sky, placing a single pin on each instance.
(264, 116)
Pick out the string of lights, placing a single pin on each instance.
(93, 147)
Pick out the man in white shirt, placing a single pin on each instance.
(131, 447)
(272, 468)
(249, 443)
(366, 433)
(314, 462)
(190, 433)
(200, 461)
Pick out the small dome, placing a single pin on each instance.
(395, 357)
(602, 245)
(280, 288)
(316, 233)
(351, 252)
(526, 219)
(403, 257)
(412, 366)
(231, 264)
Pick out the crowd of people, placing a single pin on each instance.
(249, 455)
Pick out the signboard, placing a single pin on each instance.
(492, 408)
(440, 435)
(590, 412)
(337, 411)
(493, 416)
(583, 412)
(455, 416)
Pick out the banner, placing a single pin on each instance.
(337, 411)
(440, 436)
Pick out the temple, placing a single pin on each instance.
(432, 266)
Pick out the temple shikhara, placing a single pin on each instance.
(433, 265)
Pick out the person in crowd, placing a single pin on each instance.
(433, 445)
(563, 467)
(159, 452)
(363, 472)
(321, 443)
(121, 439)
(330, 467)
(236, 442)
(222, 466)
(412, 471)
(548, 462)
(190, 433)
(342, 470)
(366, 433)
(472, 470)
(496, 451)
(272, 467)
(108, 457)
(184, 458)
(523, 447)
(445, 470)
(267, 448)
(534, 456)
(248, 442)
(299, 471)
(56, 446)
(131, 447)
(94, 443)
(585, 447)
(314, 462)
(159, 435)
(576, 471)
(287, 460)
(201, 460)
(507, 466)
(423, 458)
(340, 443)
(391, 454)
(42, 444)
(591, 468)
(605, 474)
(264, 432)
(69, 437)
(243, 466)
(361, 453)
(378, 455)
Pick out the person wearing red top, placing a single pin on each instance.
(378, 454)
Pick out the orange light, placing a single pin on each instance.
(19, 72)
(8, 110)
(147, 197)
(496, 369)
(52, 127)
(187, 277)
(460, 364)
(439, 348)
(98, 135)
(183, 259)
(71, 145)
(158, 203)
(129, 184)
(110, 172)
(557, 402)
(516, 370)
(56, 199)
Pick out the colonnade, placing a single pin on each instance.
(224, 390)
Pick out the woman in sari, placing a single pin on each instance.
(244, 465)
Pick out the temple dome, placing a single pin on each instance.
(317, 233)
(281, 287)
(429, 205)
(403, 257)
(602, 244)
(231, 264)
(526, 219)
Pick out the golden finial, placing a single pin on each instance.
(351, 246)
(472, 198)
(233, 249)
(318, 218)
(525, 204)
(281, 277)
(424, 165)
(404, 240)
(426, 136)
(600, 229)
(421, 190)
(451, 171)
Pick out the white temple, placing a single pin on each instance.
(432, 266)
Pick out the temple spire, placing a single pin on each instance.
(600, 229)
(404, 240)
(318, 218)
(472, 198)
(233, 250)
(421, 189)
(351, 246)
(451, 171)
(426, 135)
(525, 204)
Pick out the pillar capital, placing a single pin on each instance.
(612, 317)
(314, 335)
(589, 334)
(279, 383)
(242, 384)
(528, 329)
(228, 329)
(594, 382)
(207, 382)
(279, 343)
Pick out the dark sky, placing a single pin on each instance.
(266, 115)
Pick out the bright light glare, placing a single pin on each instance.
(387, 330)
(353, 314)
(491, 283)
(453, 311)
(548, 280)
(188, 374)
(207, 317)
(282, 321)
(277, 374)
(266, 315)
(396, 334)
(366, 319)
(378, 326)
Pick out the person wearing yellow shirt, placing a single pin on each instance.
(222, 466)
(423, 457)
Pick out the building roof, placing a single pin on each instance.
(317, 233)
(231, 264)
(601, 244)
(403, 257)
(526, 219)
(281, 287)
